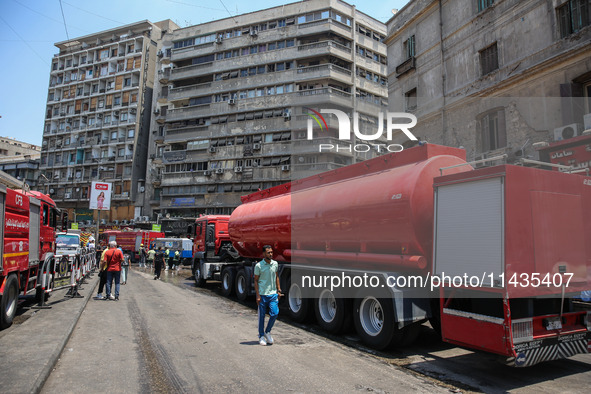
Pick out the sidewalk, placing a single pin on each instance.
(29, 351)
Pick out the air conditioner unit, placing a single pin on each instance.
(286, 116)
(51, 191)
(131, 221)
(103, 221)
(160, 54)
(253, 33)
(218, 40)
(211, 149)
(219, 171)
(568, 131)
(124, 221)
(256, 146)
(133, 110)
(100, 115)
(207, 173)
(237, 169)
(146, 218)
(68, 195)
(285, 167)
(115, 221)
(587, 121)
(231, 101)
(156, 111)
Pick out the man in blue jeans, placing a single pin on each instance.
(268, 291)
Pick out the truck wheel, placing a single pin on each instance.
(8, 302)
(331, 311)
(242, 285)
(297, 305)
(374, 321)
(228, 275)
(199, 280)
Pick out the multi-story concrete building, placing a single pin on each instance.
(9, 148)
(234, 98)
(493, 76)
(98, 115)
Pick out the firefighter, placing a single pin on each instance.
(176, 260)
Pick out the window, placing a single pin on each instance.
(483, 4)
(127, 82)
(410, 100)
(493, 134)
(130, 133)
(573, 16)
(489, 59)
(409, 47)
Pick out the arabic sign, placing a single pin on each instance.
(578, 156)
(182, 202)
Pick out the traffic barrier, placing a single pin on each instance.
(46, 280)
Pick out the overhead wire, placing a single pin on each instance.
(229, 13)
(64, 18)
(23, 40)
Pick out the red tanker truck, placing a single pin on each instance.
(27, 236)
(492, 257)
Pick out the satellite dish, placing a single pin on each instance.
(51, 191)
(168, 215)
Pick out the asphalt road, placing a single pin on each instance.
(165, 337)
(169, 336)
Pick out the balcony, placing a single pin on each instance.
(188, 91)
(189, 71)
(406, 66)
(164, 75)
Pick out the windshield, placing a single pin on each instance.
(64, 241)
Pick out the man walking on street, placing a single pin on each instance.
(268, 291)
(113, 257)
(158, 263)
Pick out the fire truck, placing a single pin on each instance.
(492, 257)
(130, 241)
(30, 220)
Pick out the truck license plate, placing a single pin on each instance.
(554, 324)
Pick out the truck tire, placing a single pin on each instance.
(228, 275)
(242, 285)
(8, 302)
(332, 311)
(198, 273)
(297, 305)
(374, 321)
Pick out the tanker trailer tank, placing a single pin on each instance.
(374, 215)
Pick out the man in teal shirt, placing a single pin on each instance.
(268, 291)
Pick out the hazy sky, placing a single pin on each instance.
(29, 28)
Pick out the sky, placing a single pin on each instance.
(29, 29)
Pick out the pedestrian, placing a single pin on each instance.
(176, 259)
(124, 268)
(102, 275)
(268, 291)
(166, 258)
(158, 263)
(151, 256)
(143, 255)
(114, 258)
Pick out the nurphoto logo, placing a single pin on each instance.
(393, 122)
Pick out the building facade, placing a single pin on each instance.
(492, 76)
(233, 100)
(98, 116)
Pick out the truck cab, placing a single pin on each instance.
(212, 246)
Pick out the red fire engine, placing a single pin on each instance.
(27, 237)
